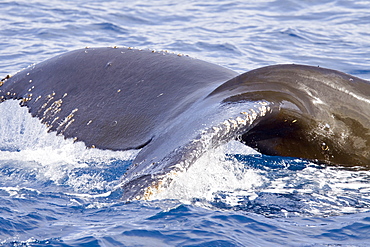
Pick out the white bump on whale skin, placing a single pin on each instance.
(241, 120)
(54, 120)
(67, 121)
(39, 97)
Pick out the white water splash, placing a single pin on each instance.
(273, 191)
(26, 142)
(24, 136)
(212, 174)
(26, 145)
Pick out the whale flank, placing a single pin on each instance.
(175, 108)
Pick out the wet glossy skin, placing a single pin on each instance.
(175, 108)
(112, 98)
(322, 114)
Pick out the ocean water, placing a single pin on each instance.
(54, 192)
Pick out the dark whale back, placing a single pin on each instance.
(176, 108)
(112, 98)
(322, 114)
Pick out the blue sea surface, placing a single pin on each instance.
(54, 192)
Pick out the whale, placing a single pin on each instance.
(174, 108)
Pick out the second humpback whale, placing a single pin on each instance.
(174, 108)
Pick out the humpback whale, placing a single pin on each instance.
(175, 108)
